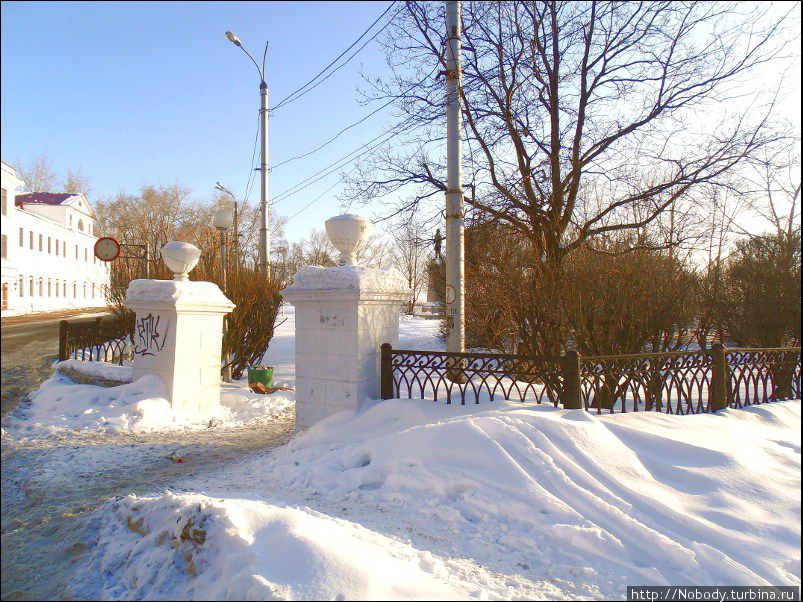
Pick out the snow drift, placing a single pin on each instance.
(62, 403)
(543, 502)
(196, 547)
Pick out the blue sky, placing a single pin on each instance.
(147, 93)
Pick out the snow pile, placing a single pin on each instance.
(411, 499)
(566, 499)
(63, 403)
(346, 277)
(196, 547)
(101, 371)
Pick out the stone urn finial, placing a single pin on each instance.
(348, 232)
(180, 258)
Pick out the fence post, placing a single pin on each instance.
(386, 372)
(718, 390)
(571, 381)
(63, 325)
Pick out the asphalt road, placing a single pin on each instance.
(28, 350)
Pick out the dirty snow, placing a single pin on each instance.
(269, 552)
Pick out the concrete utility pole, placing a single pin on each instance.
(264, 233)
(455, 251)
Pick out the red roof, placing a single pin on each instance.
(44, 198)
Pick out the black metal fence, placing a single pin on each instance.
(98, 340)
(682, 382)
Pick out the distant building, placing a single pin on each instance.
(48, 260)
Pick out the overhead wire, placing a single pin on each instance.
(298, 93)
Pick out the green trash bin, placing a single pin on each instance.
(262, 375)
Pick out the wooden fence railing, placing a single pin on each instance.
(109, 340)
(682, 382)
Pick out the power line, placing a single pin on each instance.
(356, 123)
(303, 89)
(250, 182)
(319, 197)
(359, 152)
(335, 137)
(338, 163)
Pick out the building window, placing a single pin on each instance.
(49, 288)
(5, 202)
(64, 249)
(74, 290)
(22, 287)
(30, 286)
(5, 246)
(71, 219)
(81, 225)
(93, 290)
(5, 285)
(48, 245)
(40, 243)
(84, 290)
(22, 237)
(86, 255)
(30, 240)
(57, 289)
(41, 288)
(76, 251)
(64, 289)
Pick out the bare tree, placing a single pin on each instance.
(39, 175)
(409, 256)
(77, 182)
(581, 119)
(776, 177)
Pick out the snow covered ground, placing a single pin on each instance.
(410, 499)
(68, 401)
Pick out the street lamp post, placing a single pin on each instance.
(221, 220)
(222, 188)
(264, 233)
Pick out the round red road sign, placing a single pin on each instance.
(107, 248)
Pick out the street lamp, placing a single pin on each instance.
(264, 243)
(222, 188)
(222, 220)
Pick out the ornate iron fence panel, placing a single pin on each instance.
(762, 375)
(682, 382)
(98, 340)
(674, 383)
(451, 376)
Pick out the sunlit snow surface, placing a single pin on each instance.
(411, 499)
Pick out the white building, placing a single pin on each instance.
(48, 259)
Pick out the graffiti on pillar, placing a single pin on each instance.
(150, 335)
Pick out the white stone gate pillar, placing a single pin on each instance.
(178, 332)
(343, 315)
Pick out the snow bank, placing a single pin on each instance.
(196, 547)
(584, 503)
(62, 403)
(418, 500)
(96, 370)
